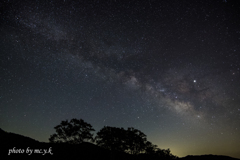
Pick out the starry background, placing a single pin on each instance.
(167, 68)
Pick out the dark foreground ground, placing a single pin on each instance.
(14, 146)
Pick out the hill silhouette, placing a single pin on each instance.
(208, 157)
(85, 150)
(12, 138)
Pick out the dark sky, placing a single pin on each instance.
(168, 68)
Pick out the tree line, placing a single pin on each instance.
(130, 140)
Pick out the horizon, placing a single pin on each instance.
(128, 153)
(146, 135)
(170, 69)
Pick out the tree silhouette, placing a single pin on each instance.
(130, 141)
(165, 154)
(73, 132)
(111, 138)
(135, 141)
(150, 148)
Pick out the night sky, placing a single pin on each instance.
(169, 68)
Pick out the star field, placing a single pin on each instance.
(170, 69)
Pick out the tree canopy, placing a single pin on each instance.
(130, 140)
(111, 138)
(73, 132)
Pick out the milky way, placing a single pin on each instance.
(170, 69)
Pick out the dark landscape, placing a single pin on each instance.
(85, 151)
